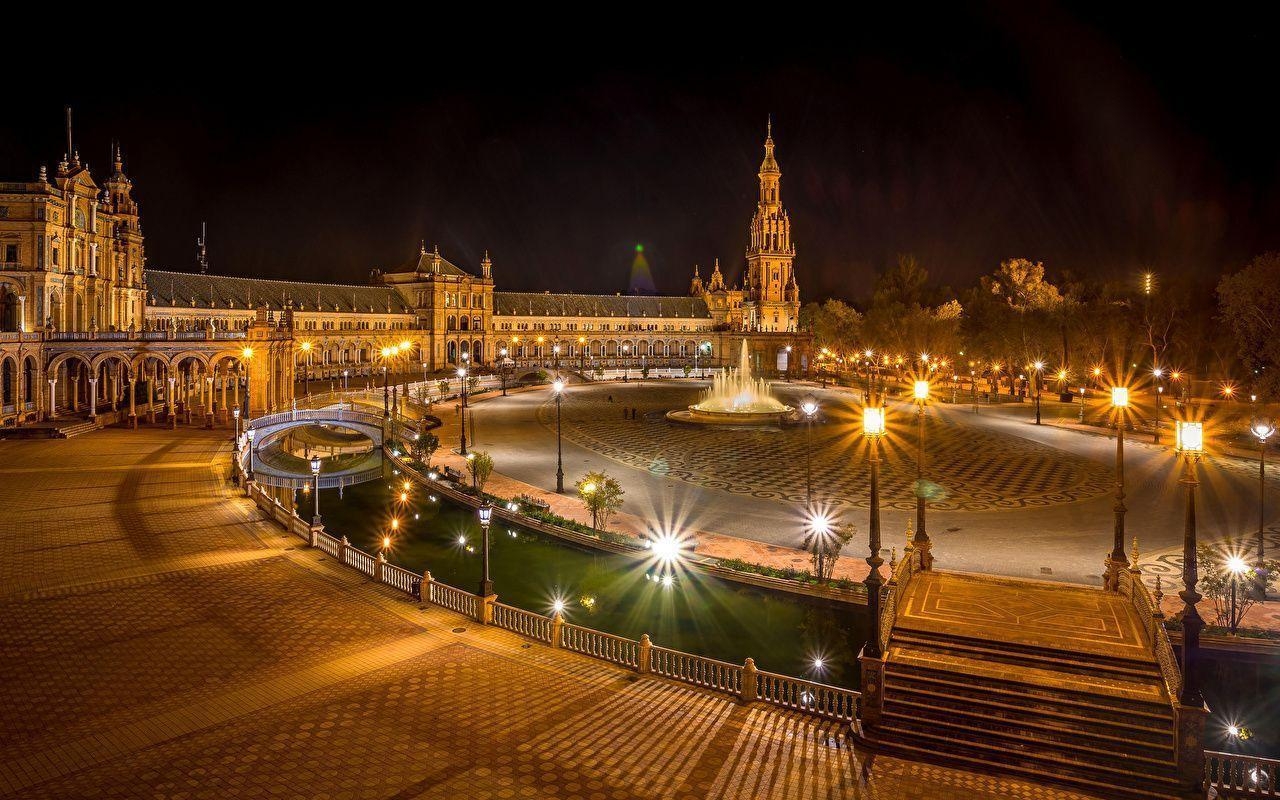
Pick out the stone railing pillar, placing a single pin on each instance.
(646, 650)
(484, 608)
(1188, 726)
(426, 586)
(747, 693)
(342, 554)
(379, 566)
(557, 627)
(313, 536)
(872, 687)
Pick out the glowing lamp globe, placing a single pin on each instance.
(922, 390)
(558, 385)
(485, 512)
(315, 465)
(1119, 396)
(1190, 437)
(873, 421)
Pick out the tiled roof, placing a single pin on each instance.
(188, 290)
(423, 262)
(597, 305)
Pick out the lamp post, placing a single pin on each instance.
(249, 434)
(788, 372)
(589, 489)
(558, 388)
(873, 429)
(921, 541)
(1081, 405)
(386, 391)
(1235, 567)
(485, 514)
(626, 358)
(315, 475)
(809, 406)
(462, 411)
(1190, 445)
(555, 351)
(1118, 561)
(306, 364)
(502, 369)
(1157, 372)
(344, 380)
(235, 413)
(1263, 429)
(1035, 386)
(247, 356)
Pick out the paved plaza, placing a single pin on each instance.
(163, 641)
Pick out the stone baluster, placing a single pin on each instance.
(747, 693)
(645, 654)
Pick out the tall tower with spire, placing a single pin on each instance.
(772, 301)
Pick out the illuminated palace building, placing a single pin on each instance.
(85, 329)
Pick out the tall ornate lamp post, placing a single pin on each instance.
(462, 411)
(246, 355)
(920, 542)
(626, 360)
(1190, 445)
(306, 364)
(315, 475)
(809, 407)
(558, 388)
(249, 434)
(485, 514)
(502, 369)
(1157, 373)
(873, 429)
(235, 413)
(1117, 560)
(1035, 385)
(555, 351)
(386, 391)
(1263, 429)
(1081, 405)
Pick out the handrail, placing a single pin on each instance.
(526, 623)
(698, 670)
(822, 699)
(1152, 619)
(601, 645)
(1238, 775)
(893, 594)
(442, 594)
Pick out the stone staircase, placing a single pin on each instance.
(1085, 720)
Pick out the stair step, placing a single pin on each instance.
(1020, 654)
(963, 670)
(1113, 787)
(929, 703)
(1026, 696)
(1081, 746)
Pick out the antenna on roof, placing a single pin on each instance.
(69, 147)
(201, 242)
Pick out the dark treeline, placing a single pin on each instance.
(1199, 326)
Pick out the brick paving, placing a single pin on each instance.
(160, 640)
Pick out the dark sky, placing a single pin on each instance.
(1100, 141)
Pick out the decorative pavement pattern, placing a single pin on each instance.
(161, 640)
(962, 464)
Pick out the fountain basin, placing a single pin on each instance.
(693, 415)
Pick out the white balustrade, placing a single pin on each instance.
(525, 623)
(604, 646)
(330, 545)
(1236, 775)
(831, 702)
(361, 560)
(453, 599)
(699, 671)
(399, 577)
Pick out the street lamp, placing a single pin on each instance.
(502, 369)
(249, 434)
(589, 489)
(626, 358)
(920, 542)
(1263, 429)
(485, 513)
(1118, 561)
(1235, 568)
(344, 380)
(1157, 373)
(1035, 386)
(462, 411)
(1081, 405)
(1190, 445)
(235, 413)
(810, 407)
(246, 355)
(558, 388)
(873, 429)
(315, 475)
(306, 364)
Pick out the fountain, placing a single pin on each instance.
(735, 398)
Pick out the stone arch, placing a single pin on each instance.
(11, 305)
(55, 309)
(56, 363)
(477, 351)
(30, 371)
(451, 353)
(465, 323)
(451, 324)
(8, 381)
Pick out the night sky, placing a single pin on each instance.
(1097, 143)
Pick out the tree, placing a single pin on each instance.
(824, 544)
(644, 371)
(1216, 580)
(443, 386)
(425, 445)
(472, 382)
(1249, 302)
(601, 495)
(688, 368)
(835, 325)
(480, 465)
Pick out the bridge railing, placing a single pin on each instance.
(894, 591)
(1152, 619)
(1234, 775)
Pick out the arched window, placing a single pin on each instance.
(451, 324)
(466, 324)
(452, 353)
(475, 323)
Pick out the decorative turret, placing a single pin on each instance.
(696, 288)
(717, 279)
(486, 267)
(770, 283)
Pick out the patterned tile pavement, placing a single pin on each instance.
(161, 641)
(962, 464)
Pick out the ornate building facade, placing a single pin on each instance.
(84, 328)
